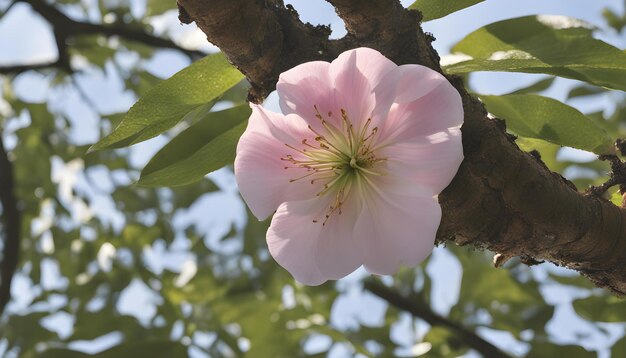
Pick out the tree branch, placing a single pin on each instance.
(17, 69)
(422, 311)
(501, 199)
(12, 226)
(65, 28)
(270, 30)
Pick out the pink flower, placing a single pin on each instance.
(354, 165)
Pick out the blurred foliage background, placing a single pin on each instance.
(111, 269)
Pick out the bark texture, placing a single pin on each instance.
(502, 198)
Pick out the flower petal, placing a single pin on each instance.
(403, 84)
(431, 162)
(437, 110)
(356, 74)
(416, 81)
(292, 239)
(338, 253)
(263, 181)
(305, 87)
(288, 129)
(369, 63)
(312, 248)
(397, 230)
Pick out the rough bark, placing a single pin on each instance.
(502, 198)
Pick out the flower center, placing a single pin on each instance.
(343, 158)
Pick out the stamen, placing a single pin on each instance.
(302, 177)
(296, 149)
(342, 158)
(364, 130)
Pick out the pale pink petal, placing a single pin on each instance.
(288, 129)
(402, 84)
(416, 81)
(368, 62)
(306, 87)
(395, 184)
(430, 162)
(356, 74)
(293, 237)
(397, 231)
(437, 110)
(338, 252)
(312, 248)
(263, 181)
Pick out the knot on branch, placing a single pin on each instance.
(617, 175)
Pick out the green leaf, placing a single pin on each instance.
(554, 45)
(617, 198)
(444, 343)
(513, 305)
(145, 349)
(61, 353)
(547, 151)
(619, 348)
(141, 83)
(93, 47)
(202, 148)
(435, 9)
(157, 7)
(542, 349)
(615, 21)
(575, 280)
(534, 116)
(141, 349)
(584, 90)
(168, 102)
(538, 86)
(85, 329)
(601, 308)
(184, 196)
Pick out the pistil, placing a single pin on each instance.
(341, 157)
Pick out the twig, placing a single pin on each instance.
(12, 225)
(17, 69)
(65, 28)
(616, 177)
(422, 311)
(3, 12)
(72, 27)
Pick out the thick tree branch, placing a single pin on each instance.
(385, 25)
(270, 31)
(502, 198)
(12, 225)
(65, 28)
(422, 311)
